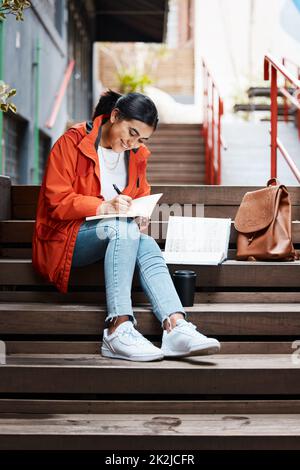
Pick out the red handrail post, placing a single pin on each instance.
(274, 118)
(276, 66)
(212, 128)
(298, 110)
(212, 159)
(285, 102)
(205, 121)
(220, 113)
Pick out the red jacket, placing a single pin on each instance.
(71, 191)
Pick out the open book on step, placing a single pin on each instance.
(197, 240)
(142, 206)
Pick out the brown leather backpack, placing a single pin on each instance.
(264, 225)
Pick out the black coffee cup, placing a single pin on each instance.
(185, 282)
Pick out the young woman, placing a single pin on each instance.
(86, 166)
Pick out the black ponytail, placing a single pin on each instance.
(106, 103)
(131, 106)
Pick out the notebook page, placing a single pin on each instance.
(193, 257)
(197, 234)
(142, 206)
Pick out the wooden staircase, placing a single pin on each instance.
(177, 155)
(58, 393)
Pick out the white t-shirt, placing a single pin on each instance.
(111, 172)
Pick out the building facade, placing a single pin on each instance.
(35, 56)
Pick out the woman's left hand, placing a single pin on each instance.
(142, 222)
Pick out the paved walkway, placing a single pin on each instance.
(247, 160)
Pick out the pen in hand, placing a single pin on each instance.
(116, 188)
(119, 192)
(141, 221)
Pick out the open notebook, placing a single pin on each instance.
(197, 240)
(142, 206)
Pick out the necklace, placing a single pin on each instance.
(110, 167)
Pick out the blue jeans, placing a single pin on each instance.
(119, 241)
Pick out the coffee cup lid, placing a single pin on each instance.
(184, 272)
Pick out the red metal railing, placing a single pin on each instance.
(271, 63)
(286, 61)
(60, 94)
(212, 113)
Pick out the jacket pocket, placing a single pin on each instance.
(45, 232)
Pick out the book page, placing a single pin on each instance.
(142, 206)
(193, 257)
(192, 235)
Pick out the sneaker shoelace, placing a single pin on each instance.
(191, 327)
(134, 334)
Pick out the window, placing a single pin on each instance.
(58, 15)
(54, 10)
(13, 137)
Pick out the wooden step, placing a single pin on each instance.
(230, 273)
(220, 319)
(21, 231)
(187, 178)
(177, 151)
(189, 142)
(23, 252)
(70, 347)
(177, 133)
(231, 374)
(143, 406)
(150, 431)
(176, 142)
(51, 295)
(219, 201)
(17, 234)
(208, 195)
(174, 158)
(170, 168)
(178, 127)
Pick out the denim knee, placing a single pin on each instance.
(118, 228)
(149, 244)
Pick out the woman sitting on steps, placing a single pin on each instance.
(84, 164)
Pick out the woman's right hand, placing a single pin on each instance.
(119, 204)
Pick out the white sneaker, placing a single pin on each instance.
(127, 343)
(183, 340)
